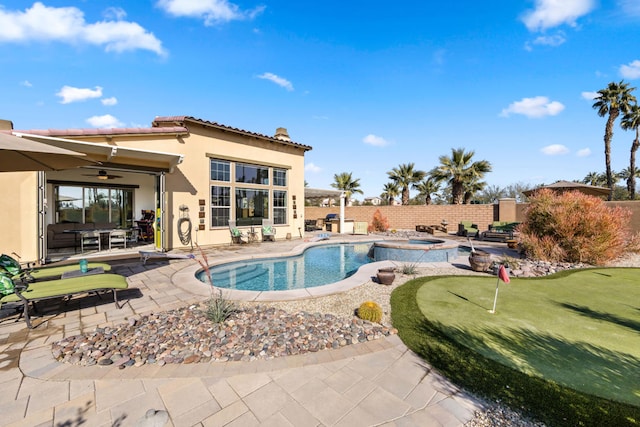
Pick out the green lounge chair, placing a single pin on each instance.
(61, 288)
(30, 274)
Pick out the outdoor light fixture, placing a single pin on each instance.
(102, 175)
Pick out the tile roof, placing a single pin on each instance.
(104, 132)
(160, 121)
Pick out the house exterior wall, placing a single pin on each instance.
(187, 184)
(19, 214)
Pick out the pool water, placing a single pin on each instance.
(316, 266)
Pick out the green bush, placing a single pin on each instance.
(574, 227)
(370, 311)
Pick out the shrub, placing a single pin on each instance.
(219, 308)
(379, 222)
(574, 227)
(370, 311)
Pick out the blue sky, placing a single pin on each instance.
(369, 85)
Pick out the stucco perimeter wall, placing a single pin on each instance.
(407, 217)
(19, 214)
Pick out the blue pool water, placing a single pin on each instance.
(316, 266)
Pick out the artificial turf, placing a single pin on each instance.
(565, 348)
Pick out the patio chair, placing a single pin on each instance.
(237, 236)
(118, 237)
(89, 238)
(268, 230)
(467, 228)
(35, 292)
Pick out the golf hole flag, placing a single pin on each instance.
(504, 276)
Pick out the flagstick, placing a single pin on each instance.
(495, 300)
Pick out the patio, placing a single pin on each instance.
(361, 384)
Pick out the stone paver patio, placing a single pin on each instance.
(379, 382)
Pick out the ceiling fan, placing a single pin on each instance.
(103, 175)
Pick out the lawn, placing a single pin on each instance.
(565, 348)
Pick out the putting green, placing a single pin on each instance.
(580, 329)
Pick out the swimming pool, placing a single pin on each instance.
(316, 266)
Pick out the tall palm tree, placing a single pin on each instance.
(405, 176)
(459, 170)
(426, 188)
(344, 181)
(631, 121)
(611, 101)
(390, 191)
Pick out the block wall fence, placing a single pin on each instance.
(407, 217)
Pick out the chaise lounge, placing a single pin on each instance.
(40, 291)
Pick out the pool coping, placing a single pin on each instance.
(186, 280)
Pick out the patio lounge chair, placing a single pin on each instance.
(237, 236)
(268, 231)
(61, 288)
(467, 228)
(35, 274)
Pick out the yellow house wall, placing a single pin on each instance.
(190, 181)
(19, 214)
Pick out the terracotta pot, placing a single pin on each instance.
(480, 261)
(386, 276)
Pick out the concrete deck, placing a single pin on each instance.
(369, 384)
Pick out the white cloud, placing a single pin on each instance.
(585, 152)
(631, 71)
(67, 25)
(310, 167)
(554, 150)
(376, 141)
(211, 11)
(26, 83)
(109, 101)
(115, 13)
(630, 7)
(589, 96)
(554, 40)
(280, 81)
(553, 13)
(71, 94)
(106, 121)
(534, 108)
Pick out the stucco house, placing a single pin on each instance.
(191, 175)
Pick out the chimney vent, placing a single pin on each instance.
(8, 125)
(281, 133)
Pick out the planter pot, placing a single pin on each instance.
(386, 276)
(480, 261)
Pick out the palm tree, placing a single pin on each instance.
(390, 191)
(471, 188)
(459, 171)
(595, 179)
(631, 121)
(426, 188)
(611, 101)
(405, 176)
(345, 182)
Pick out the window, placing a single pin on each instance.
(93, 205)
(279, 207)
(220, 170)
(247, 192)
(220, 206)
(280, 177)
(252, 174)
(251, 206)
